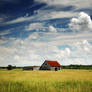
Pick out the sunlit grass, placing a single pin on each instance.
(46, 81)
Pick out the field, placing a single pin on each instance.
(46, 81)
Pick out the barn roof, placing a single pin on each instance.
(53, 63)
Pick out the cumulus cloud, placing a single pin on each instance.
(52, 29)
(35, 26)
(32, 36)
(64, 53)
(82, 23)
(37, 47)
(43, 14)
(83, 46)
(67, 50)
(80, 53)
(4, 40)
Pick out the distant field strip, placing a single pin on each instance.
(46, 81)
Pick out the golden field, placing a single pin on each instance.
(46, 81)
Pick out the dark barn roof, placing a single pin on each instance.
(53, 63)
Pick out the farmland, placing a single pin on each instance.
(45, 81)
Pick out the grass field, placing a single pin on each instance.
(46, 81)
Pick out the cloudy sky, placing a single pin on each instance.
(32, 31)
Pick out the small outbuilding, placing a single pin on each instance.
(50, 65)
(31, 68)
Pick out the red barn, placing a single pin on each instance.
(50, 65)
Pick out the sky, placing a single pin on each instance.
(32, 31)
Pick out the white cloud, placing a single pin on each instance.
(82, 23)
(45, 46)
(52, 29)
(33, 36)
(42, 15)
(40, 26)
(18, 20)
(35, 26)
(52, 14)
(5, 32)
(39, 46)
(77, 3)
(62, 14)
(6, 40)
(80, 53)
(67, 50)
(84, 46)
(64, 53)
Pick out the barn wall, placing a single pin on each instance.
(36, 68)
(53, 68)
(45, 66)
(59, 68)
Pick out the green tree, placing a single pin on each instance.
(9, 67)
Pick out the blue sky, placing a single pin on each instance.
(32, 31)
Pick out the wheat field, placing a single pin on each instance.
(46, 81)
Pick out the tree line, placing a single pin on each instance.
(77, 67)
(10, 67)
